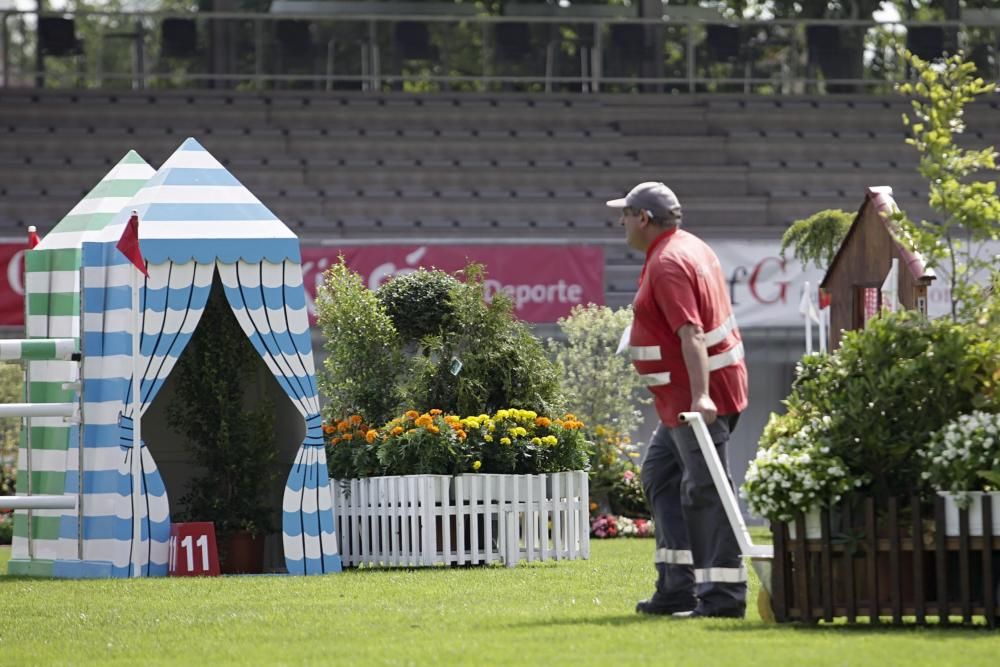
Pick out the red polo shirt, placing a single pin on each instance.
(681, 283)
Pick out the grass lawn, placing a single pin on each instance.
(569, 613)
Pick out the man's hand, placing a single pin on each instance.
(695, 355)
(706, 406)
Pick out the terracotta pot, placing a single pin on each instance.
(244, 554)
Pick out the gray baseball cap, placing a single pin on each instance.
(653, 197)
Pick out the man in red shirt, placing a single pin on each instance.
(685, 344)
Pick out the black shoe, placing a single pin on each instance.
(704, 613)
(653, 608)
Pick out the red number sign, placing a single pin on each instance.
(192, 550)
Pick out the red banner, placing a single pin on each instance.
(12, 284)
(545, 282)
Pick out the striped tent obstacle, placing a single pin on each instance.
(52, 300)
(196, 220)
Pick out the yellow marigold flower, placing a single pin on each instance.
(424, 420)
(502, 414)
(633, 455)
(452, 419)
(411, 414)
(477, 465)
(397, 430)
(435, 412)
(536, 441)
(371, 435)
(504, 441)
(492, 427)
(488, 438)
(433, 429)
(483, 418)
(521, 431)
(544, 422)
(529, 414)
(550, 440)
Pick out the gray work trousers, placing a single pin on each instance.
(698, 560)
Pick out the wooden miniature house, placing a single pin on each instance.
(865, 257)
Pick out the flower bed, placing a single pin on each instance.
(604, 526)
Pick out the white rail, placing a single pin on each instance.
(37, 409)
(37, 502)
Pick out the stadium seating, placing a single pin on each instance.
(394, 165)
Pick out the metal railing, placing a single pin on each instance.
(463, 52)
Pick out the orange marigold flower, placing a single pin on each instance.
(371, 435)
(452, 419)
(411, 414)
(435, 412)
(343, 426)
(335, 441)
(327, 428)
(569, 417)
(355, 420)
(461, 434)
(544, 422)
(433, 429)
(424, 420)
(348, 436)
(397, 431)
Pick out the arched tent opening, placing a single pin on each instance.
(231, 492)
(196, 219)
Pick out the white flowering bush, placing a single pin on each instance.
(796, 472)
(964, 455)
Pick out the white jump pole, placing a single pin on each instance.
(37, 502)
(37, 409)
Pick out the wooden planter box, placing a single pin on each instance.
(870, 566)
(423, 520)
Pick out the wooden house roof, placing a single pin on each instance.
(879, 206)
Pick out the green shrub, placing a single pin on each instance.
(11, 391)
(6, 527)
(486, 360)
(887, 388)
(364, 358)
(419, 303)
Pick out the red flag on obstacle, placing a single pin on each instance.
(33, 239)
(128, 244)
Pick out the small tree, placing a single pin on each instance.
(968, 207)
(602, 390)
(364, 356)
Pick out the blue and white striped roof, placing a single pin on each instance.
(194, 209)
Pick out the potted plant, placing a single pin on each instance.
(963, 464)
(231, 441)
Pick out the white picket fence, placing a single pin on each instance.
(423, 520)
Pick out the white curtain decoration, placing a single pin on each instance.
(268, 300)
(172, 302)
